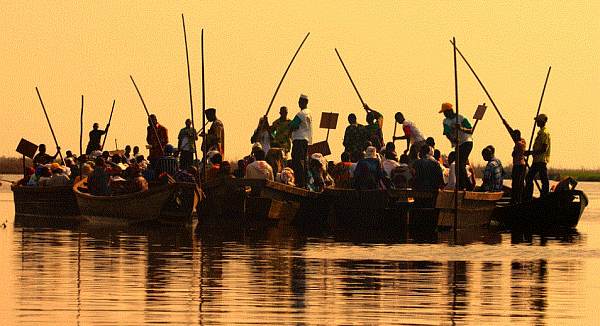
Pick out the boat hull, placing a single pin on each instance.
(55, 202)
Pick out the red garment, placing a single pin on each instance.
(157, 144)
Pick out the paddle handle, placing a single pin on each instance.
(49, 123)
(350, 77)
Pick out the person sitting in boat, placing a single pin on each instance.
(427, 174)
(318, 178)
(451, 178)
(86, 170)
(259, 169)
(275, 159)
(42, 158)
(493, 174)
(167, 163)
(72, 168)
(390, 160)
(342, 174)
(215, 160)
(369, 173)
(565, 184)
(28, 172)
(45, 176)
(137, 182)
(286, 177)
(262, 134)
(401, 176)
(59, 177)
(98, 180)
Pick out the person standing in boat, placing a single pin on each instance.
(412, 134)
(301, 127)
(186, 143)
(95, 138)
(519, 167)
(215, 137)
(42, 158)
(262, 134)
(281, 133)
(156, 144)
(354, 136)
(374, 128)
(541, 157)
(464, 143)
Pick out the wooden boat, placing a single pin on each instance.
(561, 209)
(230, 200)
(128, 209)
(55, 202)
(180, 206)
(362, 209)
(436, 209)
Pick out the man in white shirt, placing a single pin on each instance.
(412, 134)
(301, 127)
(259, 169)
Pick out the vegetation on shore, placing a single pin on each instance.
(13, 165)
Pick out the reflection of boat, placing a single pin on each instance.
(561, 209)
(128, 208)
(475, 209)
(58, 202)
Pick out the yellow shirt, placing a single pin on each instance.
(542, 138)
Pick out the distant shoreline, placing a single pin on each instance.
(14, 165)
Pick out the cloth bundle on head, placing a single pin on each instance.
(371, 152)
(95, 154)
(319, 157)
(56, 167)
(287, 177)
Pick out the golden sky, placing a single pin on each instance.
(397, 52)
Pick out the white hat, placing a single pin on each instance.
(302, 96)
(371, 152)
(257, 145)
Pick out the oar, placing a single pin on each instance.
(284, 74)
(109, 119)
(486, 93)
(536, 115)
(349, 77)
(187, 60)
(49, 124)
(456, 151)
(204, 148)
(147, 114)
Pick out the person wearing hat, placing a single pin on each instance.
(354, 136)
(301, 127)
(368, 173)
(541, 157)
(412, 134)
(281, 133)
(187, 144)
(95, 137)
(157, 137)
(464, 143)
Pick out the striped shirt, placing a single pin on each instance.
(493, 176)
(166, 164)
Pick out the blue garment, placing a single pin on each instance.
(493, 176)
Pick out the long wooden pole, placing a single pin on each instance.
(148, 114)
(349, 77)
(81, 129)
(479, 80)
(109, 120)
(457, 164)
(187, 60)
(204, 147)
(538, 113)
(49, 124)
(284, 74)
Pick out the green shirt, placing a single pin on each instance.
(542, 138)
(281, 133)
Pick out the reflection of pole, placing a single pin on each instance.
(78, 276)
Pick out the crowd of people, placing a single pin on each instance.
(366, 163)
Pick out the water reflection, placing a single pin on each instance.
(102, 274)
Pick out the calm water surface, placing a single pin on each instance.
(98, 274)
